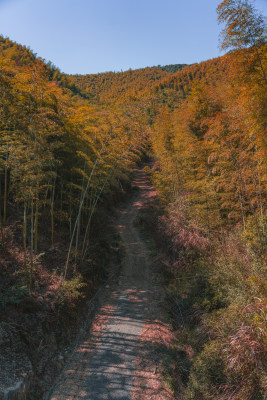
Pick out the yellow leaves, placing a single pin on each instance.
(217, 149)
(244, 26)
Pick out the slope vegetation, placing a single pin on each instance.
(68, 145)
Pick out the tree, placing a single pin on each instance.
(244, 27)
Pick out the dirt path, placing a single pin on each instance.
(120, 360)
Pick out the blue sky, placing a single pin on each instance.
(90, 36)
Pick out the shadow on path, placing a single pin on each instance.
(105, 366)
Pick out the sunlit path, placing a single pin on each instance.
(110, 364)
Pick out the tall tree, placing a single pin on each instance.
(244, 27)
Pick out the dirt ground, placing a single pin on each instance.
(121, 357)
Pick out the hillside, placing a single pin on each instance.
(20, 54)
(109, 86)
(168, 84)
(69, 148)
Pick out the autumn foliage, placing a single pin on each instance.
(60, 159)
(67, 146)
(211, 177)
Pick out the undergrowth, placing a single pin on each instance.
(216, 298)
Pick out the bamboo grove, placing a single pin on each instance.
(68, 144)
(60, 157)
(211, 177)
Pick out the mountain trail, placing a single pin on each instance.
(120, 358)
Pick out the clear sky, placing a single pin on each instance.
(90, 36)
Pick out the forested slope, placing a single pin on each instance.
(63, 164)
(113, 87)
(67, 147)
(160, 84)
(211, 175)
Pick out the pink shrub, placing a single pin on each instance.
(183, 233)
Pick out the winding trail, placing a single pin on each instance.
(119, 359)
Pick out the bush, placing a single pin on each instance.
(231, 366)
(69, 292)
(221, 294)
(207, 374)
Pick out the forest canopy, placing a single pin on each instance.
(68, 145)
